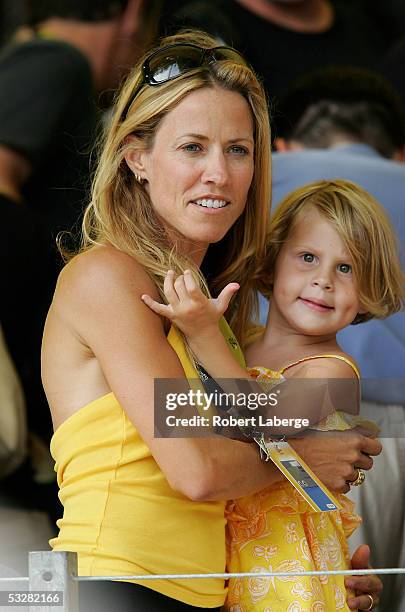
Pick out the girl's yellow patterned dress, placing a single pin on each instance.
(277, 531)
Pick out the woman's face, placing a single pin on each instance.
(200, 167)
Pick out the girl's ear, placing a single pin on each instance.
(359, 318)
(136, 160)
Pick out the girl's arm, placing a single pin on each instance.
(300, 403)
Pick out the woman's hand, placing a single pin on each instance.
(364, 586)
(187, 306)
(335, 457)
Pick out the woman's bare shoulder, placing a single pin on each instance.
(110, 338)
(103, 269)
(100, 290)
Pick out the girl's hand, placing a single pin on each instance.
(188, 307)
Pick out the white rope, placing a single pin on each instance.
(363, 572)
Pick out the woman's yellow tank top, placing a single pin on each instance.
(120, 514)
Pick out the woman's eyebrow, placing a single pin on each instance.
(241, 139)
(192, 135)
(202, 137)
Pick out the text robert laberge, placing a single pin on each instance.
(232, 421)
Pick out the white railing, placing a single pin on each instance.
(56, 573)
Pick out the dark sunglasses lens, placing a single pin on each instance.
(170, 63)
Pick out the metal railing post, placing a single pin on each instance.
(53, 571)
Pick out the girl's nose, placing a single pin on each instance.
(324, 282)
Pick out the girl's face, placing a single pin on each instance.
(314, 291)
(200, 166)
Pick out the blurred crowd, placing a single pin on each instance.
(334, 71)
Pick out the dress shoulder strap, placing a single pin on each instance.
(327, 356)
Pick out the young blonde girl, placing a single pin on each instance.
(332, 261)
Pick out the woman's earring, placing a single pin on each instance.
(138, 178)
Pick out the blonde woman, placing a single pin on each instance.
(185, 164)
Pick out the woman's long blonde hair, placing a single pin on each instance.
(120, 212)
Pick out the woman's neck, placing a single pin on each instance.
(195, 251)
(307, 16)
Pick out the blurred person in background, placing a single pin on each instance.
(349, 123)
(11, 17)
(392, 66)
(283, 39)
(388, 16)
(51, 75)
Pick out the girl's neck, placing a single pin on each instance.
(281, 344)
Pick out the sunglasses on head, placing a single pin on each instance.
(172, 61)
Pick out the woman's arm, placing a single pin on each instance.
(98, 298)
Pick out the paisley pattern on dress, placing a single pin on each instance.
(276, 530)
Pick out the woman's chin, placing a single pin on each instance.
(206, 237)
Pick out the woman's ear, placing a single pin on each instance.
(135, 159)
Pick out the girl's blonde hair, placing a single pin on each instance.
(366, 232)
(120, 212)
